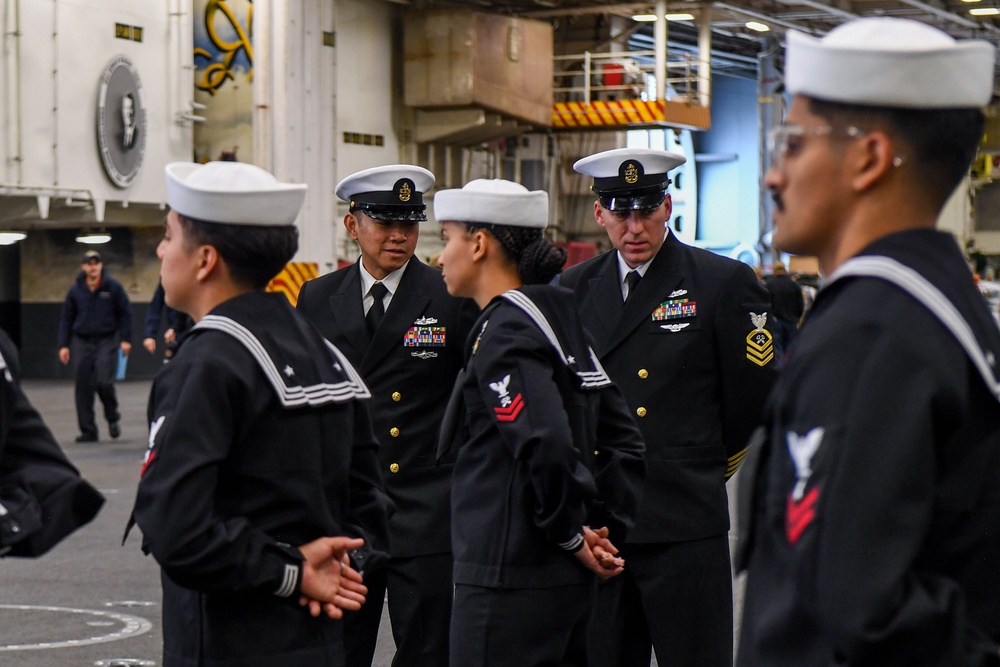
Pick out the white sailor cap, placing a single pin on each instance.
(233, 193)
(494, 202)
(630, 178)
(391, 192)
(890, 62)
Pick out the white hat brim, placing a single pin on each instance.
(245, 196)
(959, 75)
(513, 209)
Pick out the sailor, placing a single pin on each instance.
(685, 333)
(394, 320)
(549, 459)
(42, 496)
(869, 505)
(261, 474)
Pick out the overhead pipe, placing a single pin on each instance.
(836, 11)
(763, 17)
(937, 11)
(705, 57)
(660, 48)
(12, 54)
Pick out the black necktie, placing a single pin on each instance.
(375, 313)
(632, 278)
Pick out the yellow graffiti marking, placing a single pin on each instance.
(217, 73)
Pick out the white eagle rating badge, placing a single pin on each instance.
(509, 408)
(760, 344)
(801, 506)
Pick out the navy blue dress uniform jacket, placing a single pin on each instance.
(102, 313)
(260, 441)
(409, 366)
(549, 447)
(869, 507)
(695, 371)
(43, 496)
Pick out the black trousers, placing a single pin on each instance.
(95, 362)
(676, 598)
(532, 627)
(420, 594)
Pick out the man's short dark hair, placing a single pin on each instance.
(253, 253)
(941, 143)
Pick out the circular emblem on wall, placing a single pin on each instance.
(121, 121)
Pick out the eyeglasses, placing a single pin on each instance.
(785, 140)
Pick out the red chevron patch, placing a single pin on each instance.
(149, 459)
(511, 412)
(800, 514)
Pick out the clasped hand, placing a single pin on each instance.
(329, 584)
(599, 555)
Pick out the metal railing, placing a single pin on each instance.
(586, 76)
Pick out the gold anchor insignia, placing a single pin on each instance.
(631, 174)
(404, 192)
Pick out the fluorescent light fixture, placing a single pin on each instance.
(92, 238)
(759, 27)
(10, 238)
(984, 11)
(970, 1)
(649, 18)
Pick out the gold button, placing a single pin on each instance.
(641, 411)
(396, 396)
(394, 467)
(394, 432)
(596, 452)
(643, 373)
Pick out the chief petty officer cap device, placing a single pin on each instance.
(629, 179)
(890, 62)
(232, 193)
(392, 192)
(493, 202)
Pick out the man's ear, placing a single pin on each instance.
(597, 213)
(871, 158)
(351, 225)
(209, 262)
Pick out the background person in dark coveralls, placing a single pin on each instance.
(547, 446)
(869, 504)
(686, 335)
(42, 497)
(261, 455)
(96, 319)
(409, 358)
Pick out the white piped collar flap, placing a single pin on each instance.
(933, 299)
(345, 383)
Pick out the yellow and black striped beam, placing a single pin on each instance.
(291, 278)
(613, 114)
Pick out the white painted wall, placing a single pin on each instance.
(307, 95)
(294, 120)
(368, 86)
(54, 55)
